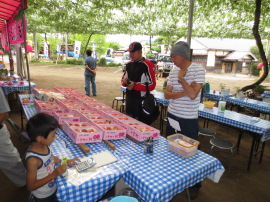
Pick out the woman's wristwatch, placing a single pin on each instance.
(180, 79)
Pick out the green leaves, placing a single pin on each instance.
(211, 18)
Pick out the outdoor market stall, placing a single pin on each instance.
(156, 177)
(259, 129)
(13, 31)
(15, 84)
(216, 95)
(257, 105)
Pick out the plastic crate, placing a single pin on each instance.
(182, 145)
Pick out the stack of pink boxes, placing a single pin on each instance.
(87, 120)
(48, 107)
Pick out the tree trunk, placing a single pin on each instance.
(87, 43)
(257, 37)
(66, 46)
(35, 45)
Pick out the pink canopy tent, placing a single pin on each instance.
(8, 10)
(13, 31)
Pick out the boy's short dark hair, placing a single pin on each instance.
(88, 52)
(41, 124)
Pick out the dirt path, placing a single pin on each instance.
(108, 79)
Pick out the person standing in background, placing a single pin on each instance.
(184, 89)
(10, 162)
(90, 73)
(138, 72)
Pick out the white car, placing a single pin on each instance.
(125, 60)
(165, 64)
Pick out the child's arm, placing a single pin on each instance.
(31, 178)
(56, 159)
(70, 162)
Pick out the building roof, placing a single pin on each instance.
(222, 44)
(240, 55)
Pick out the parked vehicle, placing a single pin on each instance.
(165, 64)
(161, 56)
(126, 58)
(153, 59)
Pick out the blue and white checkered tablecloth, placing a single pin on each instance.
(265, 95)
(93, 189)
(28, 108)
(156, 177)
(158, 95)
(161, 176)
(231, 118)
(237, 120)
(250, 103)
(96, 187)
(17, 87)
(215, 96)
(160, 98)
(123, 89)
(266, 92)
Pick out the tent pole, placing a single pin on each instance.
(25, 51)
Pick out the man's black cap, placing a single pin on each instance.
(134, 46)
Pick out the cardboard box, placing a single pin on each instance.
(113, 132)
(68, 124)
(51, 96)
(74, 96)
(128, 125)
(87, 112)
(98, 122)
(110, 113)
(118, 119)
(62, 102)
(40, 92)
(85, 134)
(66, 90)
(48, 107)
(75, 108)
(61, 117)
(141, 133)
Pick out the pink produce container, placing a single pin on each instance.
(141, 133)
(113, 132)
(85, 134)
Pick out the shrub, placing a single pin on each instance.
(113, 64)
(102, 62)
(254, 69)
(259, 89)
(35, 61)
(54, 58)
(75, 61)
(61, 62)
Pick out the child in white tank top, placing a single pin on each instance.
(41, 129)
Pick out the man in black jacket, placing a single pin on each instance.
(138, 72)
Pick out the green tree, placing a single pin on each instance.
(168, 18)
(115, 46)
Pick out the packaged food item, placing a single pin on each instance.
(25, 100)
(64, 162)
(182, 145)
